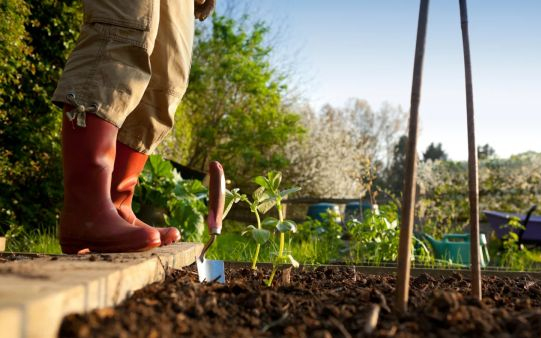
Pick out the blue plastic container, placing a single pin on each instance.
(316, 210)
(355, 210)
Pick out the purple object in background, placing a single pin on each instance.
(532, 234)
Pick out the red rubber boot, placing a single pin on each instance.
(89, 219)
(129, 164)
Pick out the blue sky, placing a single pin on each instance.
(364, 49)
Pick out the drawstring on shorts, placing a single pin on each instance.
(78, 113)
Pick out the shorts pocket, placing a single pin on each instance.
(134, 14)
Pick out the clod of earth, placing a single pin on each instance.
(320, 302)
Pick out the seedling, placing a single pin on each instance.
(260, 235)
(231, 197)
(271, 196)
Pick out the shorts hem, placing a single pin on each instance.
(59, 99)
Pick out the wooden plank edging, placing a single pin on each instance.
(36, 294)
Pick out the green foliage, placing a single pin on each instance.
(260, 235)
(375, 239)
(35, 37)
(273, 196)
(33, 241)
(434, 152)
(265, 197)
(514, 255)
(164, 197)
(314, 235)
(443, 205)
(177, 144)
(392, 179)
(232, 246)
(511, 255)
(485, 152)
(235, 101)
(510, 185)
(327, 230)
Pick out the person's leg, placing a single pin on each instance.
(153, 118)
(104, 79)
(89, 219)
(128, 166)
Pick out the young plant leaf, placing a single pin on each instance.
(263, 182)
(286, 226)
(266, 205)
(275, 178)
(292, 190)
(270, 222)
(231, 197)
(258, 194)
(160, 167)
(261, 236)
(249, 228)
(293, 261)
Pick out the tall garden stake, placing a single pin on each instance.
(408, 203)
(473, 177)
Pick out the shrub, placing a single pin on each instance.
(375, 239)
(163, 197)
(35, 37)
(510, 185)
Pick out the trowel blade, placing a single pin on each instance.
(210, 271)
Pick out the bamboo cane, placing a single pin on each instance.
(406, 227)
(473, 178)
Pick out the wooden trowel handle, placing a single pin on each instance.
(216, 197)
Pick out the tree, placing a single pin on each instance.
(325, 161)
(376, 132)
(236, 101)
(511, 185)
(35, 37)
(343, 148)
(393, 178)
(434, 152)
(485, 152)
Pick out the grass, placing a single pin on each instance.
(36, 241)
(231, 246)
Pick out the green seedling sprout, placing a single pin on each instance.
(260, 235)
(231, 197)
(271, 197)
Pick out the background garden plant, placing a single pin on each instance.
(511, 253)
(164, 197)
(374, 239)
(35, 39)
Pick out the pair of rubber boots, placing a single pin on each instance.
(100, 175)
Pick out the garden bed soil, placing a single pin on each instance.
(318, 302)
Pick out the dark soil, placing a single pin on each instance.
(320, 302)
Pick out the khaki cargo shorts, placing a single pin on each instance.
(130, 67)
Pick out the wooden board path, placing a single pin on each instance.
(37, 291)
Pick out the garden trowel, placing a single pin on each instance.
(211, 270)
